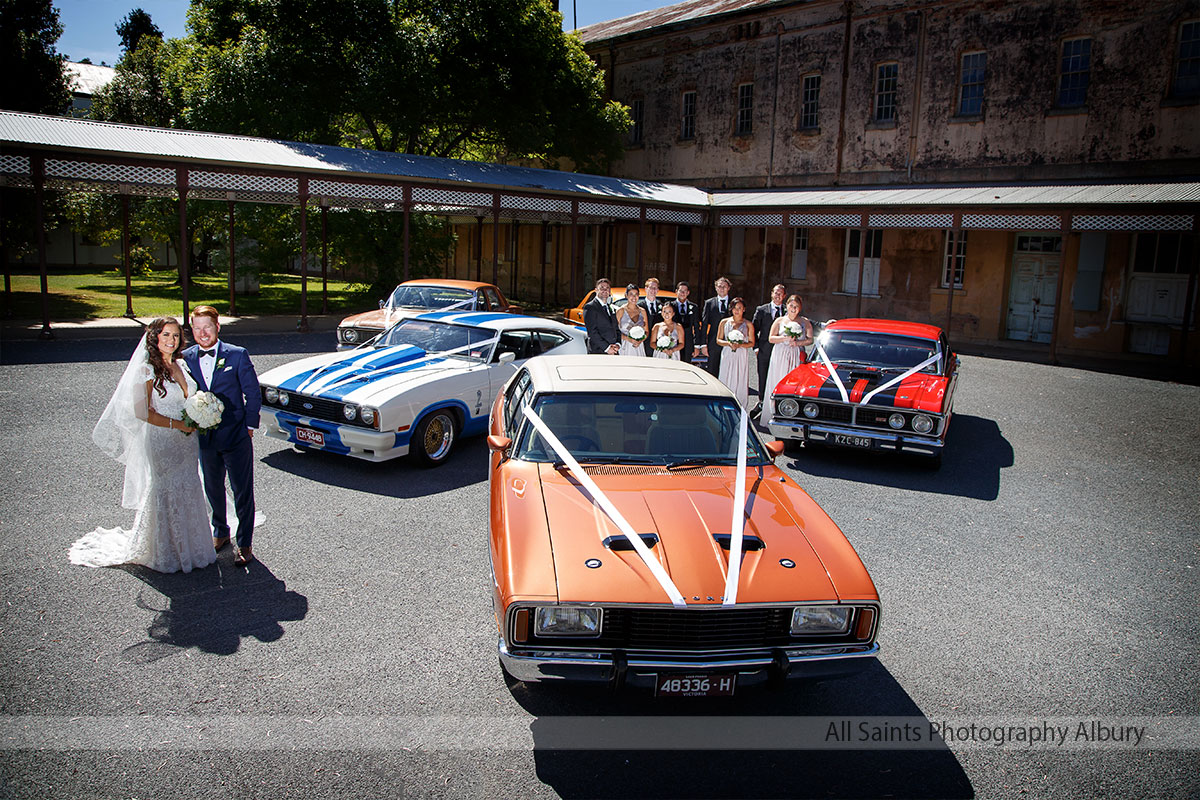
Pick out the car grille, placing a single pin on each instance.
(693, 631)
(863, 416)
(321, 408)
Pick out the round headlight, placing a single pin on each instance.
(922, 423)
(368, 415)
(349, 411)
(271, 394)
(896, 421)
(811, 410)
(284, 398)
(349, 335)
(788, 407)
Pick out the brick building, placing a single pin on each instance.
(837, 138)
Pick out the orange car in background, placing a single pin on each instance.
(620, 496)
(418, 297)
(618, 300)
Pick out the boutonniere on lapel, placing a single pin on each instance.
(220, 363)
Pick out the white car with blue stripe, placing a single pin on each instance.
(416, 388)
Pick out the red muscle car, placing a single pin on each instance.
(871, 384)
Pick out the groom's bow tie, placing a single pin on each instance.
(204, 353)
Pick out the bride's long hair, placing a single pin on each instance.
(162, 372)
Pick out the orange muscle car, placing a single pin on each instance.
(417, 297)
(622, 492)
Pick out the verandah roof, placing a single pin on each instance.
(101, 156)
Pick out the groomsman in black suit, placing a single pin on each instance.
(603, 334)
(715, 310)
(765, 316)
(653, 308)
(688, 315)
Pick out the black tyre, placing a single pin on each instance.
(434, 438)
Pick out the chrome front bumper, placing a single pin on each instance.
(634, 669)
(880, 440)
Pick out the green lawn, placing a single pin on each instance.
(83, 294)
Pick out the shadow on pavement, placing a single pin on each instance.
(399, 477)
(975, 453)
(748, 767)
(213, 608)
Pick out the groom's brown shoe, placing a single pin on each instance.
(243, 557)
(219, 542)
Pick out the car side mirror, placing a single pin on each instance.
(498, 444)
(382, 303)
(506, 357)
(775, 448)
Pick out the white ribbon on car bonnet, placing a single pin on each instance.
(833, 373)
(898, 378)
(656, 569)
(738, 527)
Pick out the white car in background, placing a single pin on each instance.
(417, 388)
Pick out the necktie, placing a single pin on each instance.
(722, 305)
(209, 353)
(775, 311)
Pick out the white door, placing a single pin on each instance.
(870, 263)
(1031, 297)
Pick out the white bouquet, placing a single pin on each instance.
(663, 343)
(792, 329)
(203, 411)
(735, 337)
(637, 333)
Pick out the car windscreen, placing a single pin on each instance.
(667, 430)
(884, 350)
(439, 297)
(439, 337)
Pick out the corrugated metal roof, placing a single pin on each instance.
(131, 141)
(102, 139)
(668, 15)
(966, 196)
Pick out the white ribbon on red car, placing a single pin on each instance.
(738, 526)
(898, 378)
(601, 499)
(833, 373)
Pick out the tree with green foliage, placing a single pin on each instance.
(134, 27)
(452, 78)
(34, 77)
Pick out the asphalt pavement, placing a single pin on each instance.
(1045, 576)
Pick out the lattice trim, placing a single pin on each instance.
(356, 191)
(446, 197)
(610, 210)
(938, 221)
(1146, 222)
(678, 217)
(1012, 222)
(750, 220)
(540, 204)
(94, 171)
(15, 165)
(244, 185)
(824, 220)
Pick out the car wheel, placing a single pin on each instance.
(434, 437)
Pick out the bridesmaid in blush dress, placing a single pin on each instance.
(735, 353)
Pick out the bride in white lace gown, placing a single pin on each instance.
(142, 428)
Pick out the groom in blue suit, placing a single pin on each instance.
(226, 371)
